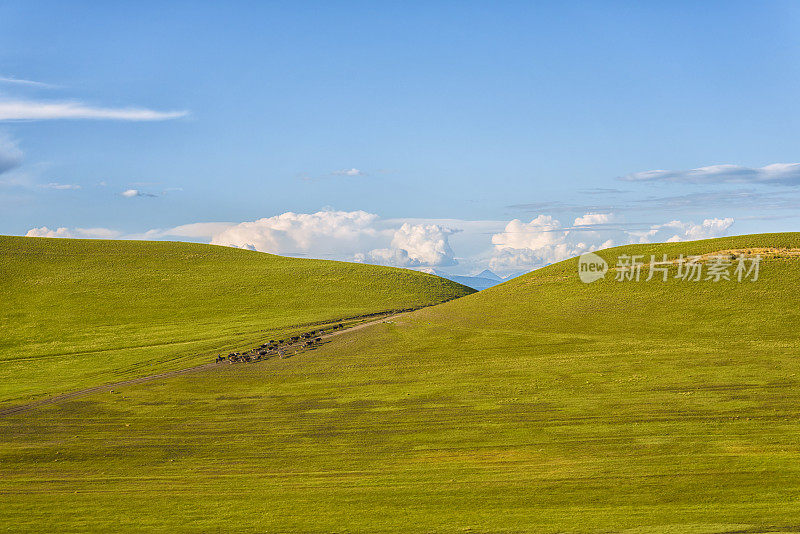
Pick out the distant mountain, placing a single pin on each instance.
(489, 275)
(480, 281)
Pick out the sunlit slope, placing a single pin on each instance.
(542, 404)
(82, 312)
(553, 299)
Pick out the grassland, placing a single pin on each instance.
(78, 313)
(539, 405)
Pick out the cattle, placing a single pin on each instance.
(318, 339)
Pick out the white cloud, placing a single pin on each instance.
(133, 193)
(525, 246)
(349, 172)
(512, 247)
(56, 185)
(20, 81)
(776, 173)
(325, 233)
(207, 230)
(354, 235)
(416, 245)
(10, 154)
(684, 231)
(591, 219)
(76, 233)
(541, 232)
(48, 110)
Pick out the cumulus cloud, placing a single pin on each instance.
(514, 246)
(415, 245)
(10, 154)
(524, 246)
(592, 219)
(325, 233)
(776, 173)
(49, 110)
(133, 193)
(353, 235)
(685, 231)
(541, 232)
(75, 233)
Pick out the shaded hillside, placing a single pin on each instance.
(83, 312)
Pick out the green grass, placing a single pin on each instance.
(78, 313)
(539, 405)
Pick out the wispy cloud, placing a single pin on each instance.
(51, 110)
(557, 205)
(776, 173)
(739, 198)
(349, 172)
(56, 185)
(28, 83)
(10, 154)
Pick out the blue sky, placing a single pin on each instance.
(452, 118)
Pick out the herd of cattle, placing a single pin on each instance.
(277, 347)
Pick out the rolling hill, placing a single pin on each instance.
(78, 313)
(539, 405)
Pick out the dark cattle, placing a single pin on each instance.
(340, 325)
(318, 339)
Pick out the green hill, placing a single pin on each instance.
(77, 313)
(542, 404)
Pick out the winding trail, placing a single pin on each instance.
(11, 410)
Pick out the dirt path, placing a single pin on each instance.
(206, 366)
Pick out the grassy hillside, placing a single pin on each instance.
(542, 404)
(85, 312)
